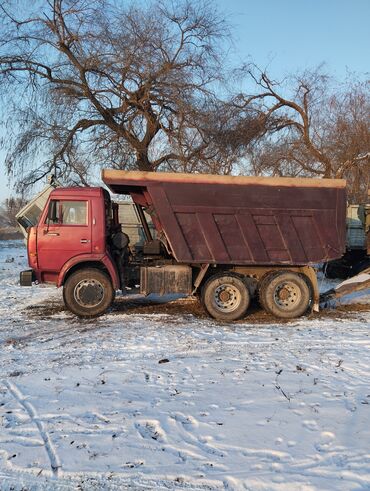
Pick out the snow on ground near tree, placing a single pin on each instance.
(164, 399)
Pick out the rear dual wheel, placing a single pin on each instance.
(225, 297)
(285, 294)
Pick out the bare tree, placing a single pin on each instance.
(8, 210)
(91, 83)
(311, 128)
(225, 132)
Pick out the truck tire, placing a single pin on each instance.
(225, 297)
(88, 292)
(285, 294)
(262, 287)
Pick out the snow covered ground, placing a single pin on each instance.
(158, 396)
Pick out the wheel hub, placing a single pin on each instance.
(287, 295)
(89, 293)
(227, 297)
(284, 294)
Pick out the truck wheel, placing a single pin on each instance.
(225, 297)
(88, 292)
(285, 294)
(266, 279)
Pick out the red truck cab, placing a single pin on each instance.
(72, 233)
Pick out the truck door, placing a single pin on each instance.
(65, 233)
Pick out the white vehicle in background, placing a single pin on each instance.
(357, 255)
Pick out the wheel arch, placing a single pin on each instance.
(103, 264)
(217, 270)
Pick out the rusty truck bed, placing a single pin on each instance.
(241, 220)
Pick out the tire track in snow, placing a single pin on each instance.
(55, 463)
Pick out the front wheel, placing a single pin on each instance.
(88, 292)
(285, 294)
(225, 297)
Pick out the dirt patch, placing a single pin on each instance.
(185, 307)
(45, 311)
(10, 233)
(191, 306)
(145, 305)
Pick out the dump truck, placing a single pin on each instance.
(225, 239)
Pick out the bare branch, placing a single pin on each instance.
(107, 83)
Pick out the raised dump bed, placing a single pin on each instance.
(241, 220)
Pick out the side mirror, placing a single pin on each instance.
(52, 212)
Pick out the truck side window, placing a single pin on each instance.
(53, 212)
(73, 212)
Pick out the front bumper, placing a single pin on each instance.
(27, 277)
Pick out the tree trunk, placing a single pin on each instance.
(143, 163)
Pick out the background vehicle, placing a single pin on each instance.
(224, 238)
(357, 255)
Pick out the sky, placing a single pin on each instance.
(290, 35)
(286, 36)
